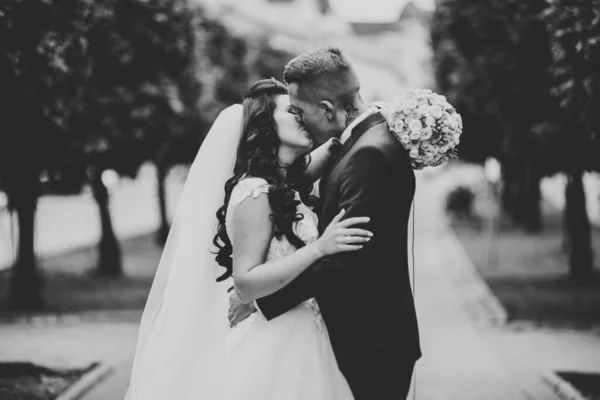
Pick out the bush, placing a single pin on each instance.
(460, 202)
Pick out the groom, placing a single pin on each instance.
(365, 297)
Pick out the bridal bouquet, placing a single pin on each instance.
(427, 126)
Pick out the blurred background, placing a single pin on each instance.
(103, 106)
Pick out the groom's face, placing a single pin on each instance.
(310, 114)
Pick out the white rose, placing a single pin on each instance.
(415, 125)
(436, 112)
(411, 103)
(416, 115)
(405, 139)
(415, 135)
(452, 123)
(439, 161)
(429, 120)
(414, 153)
(399, 125)
(426, 133)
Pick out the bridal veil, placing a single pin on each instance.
(181, 342)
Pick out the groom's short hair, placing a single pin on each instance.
(323, 73)
(315, 64)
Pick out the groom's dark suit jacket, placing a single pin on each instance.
(365, 296)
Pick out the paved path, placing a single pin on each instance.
(461, 355)
(464, 358)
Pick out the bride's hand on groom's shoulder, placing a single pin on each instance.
(238, 311)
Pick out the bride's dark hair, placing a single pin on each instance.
(258, 156)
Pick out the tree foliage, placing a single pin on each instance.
(573, 136)
(525, 76)
(574, 31)
(90, 86)
(491, 62)
(42, 57)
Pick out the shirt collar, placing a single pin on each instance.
(348, 131)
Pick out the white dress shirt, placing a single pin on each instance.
(348, 131)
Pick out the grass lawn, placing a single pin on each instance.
(529, 272)
(588, 384)
(25, 381)
(70, 284)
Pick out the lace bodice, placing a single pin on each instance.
(305, 229)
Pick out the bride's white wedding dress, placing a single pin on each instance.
(289, 357)
(186, 349)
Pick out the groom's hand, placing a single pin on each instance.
(238, 311)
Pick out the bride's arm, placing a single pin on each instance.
(252, 232)
(321, 157)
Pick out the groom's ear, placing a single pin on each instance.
(329, 109)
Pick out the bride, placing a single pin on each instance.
(264, 235)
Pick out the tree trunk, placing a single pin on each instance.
(578, 228)
(324, 6)
(109, 251)
(565, 245)
(26, 282)
(507, 186)
(510, 191)
(520, 206)
(163, 230)
(530, 215)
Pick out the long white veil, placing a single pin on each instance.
(181, 341)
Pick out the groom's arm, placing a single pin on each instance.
(362, 186)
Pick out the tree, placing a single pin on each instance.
(324, 6)
(41, 60)
(224, 66)
(491, 60)
(215, 77)
(269, 61)
(574, 29)
(132, 100)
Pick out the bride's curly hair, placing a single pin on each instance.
(258, 156)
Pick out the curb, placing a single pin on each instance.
(561, 387)
(482, 304)
(71, 318)
(86, 382)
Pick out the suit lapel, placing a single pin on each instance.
(357, 132)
